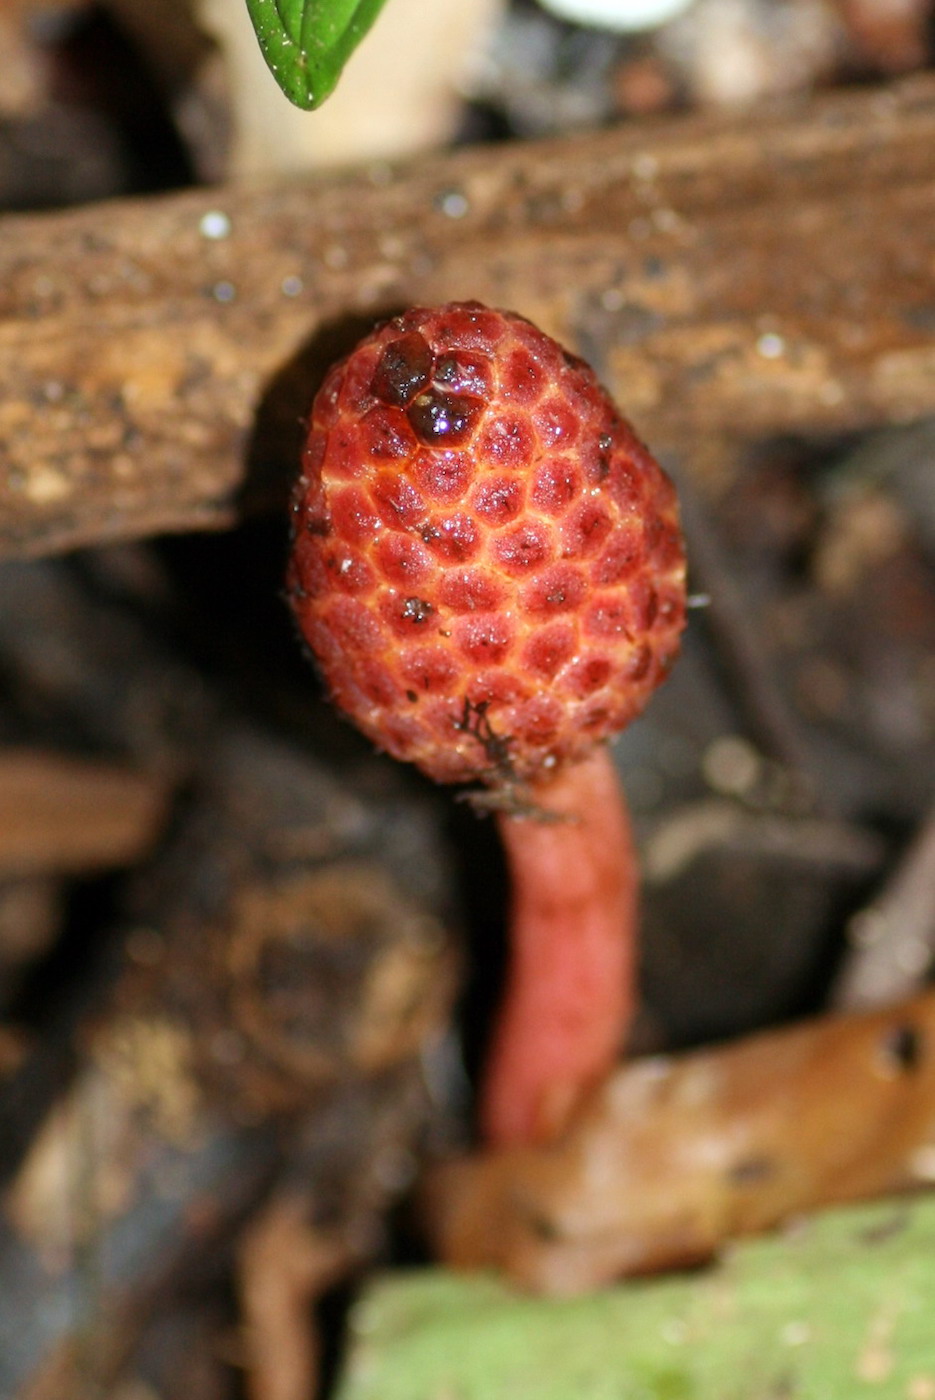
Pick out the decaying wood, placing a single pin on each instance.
(728, 278)
(674, 1156)
(286, 969)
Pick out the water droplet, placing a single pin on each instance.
(452, 203)
(224, 291)
(292, 286)
(215, 224)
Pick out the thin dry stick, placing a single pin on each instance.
(285, 1266)
(893, 938)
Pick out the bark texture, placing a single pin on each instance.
(728, 278)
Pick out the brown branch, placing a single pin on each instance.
(729, 277)
(285, 1266)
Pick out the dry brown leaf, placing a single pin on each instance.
(676, 1155)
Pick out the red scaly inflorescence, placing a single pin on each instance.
(486, 561)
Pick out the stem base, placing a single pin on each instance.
(570, 991)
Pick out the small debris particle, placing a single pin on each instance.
(292, 286)
(886, 1229)
(771, 346)
(214, 225)
(875, 1361)
(336, 256)
(645, 167)
(751, 1171)
(922, 1163)
(47, 485)
(902, 1048)
(674, 1331)
(417, 609)
(831, 392)
(224, 292)
(666, 220)
(795, 1334)
(874, 1365)
(731, 765)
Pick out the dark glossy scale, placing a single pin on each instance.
(404, 369)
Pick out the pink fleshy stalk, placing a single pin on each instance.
(570, 993)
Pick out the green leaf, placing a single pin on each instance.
(838, 1308)
(307, 42)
